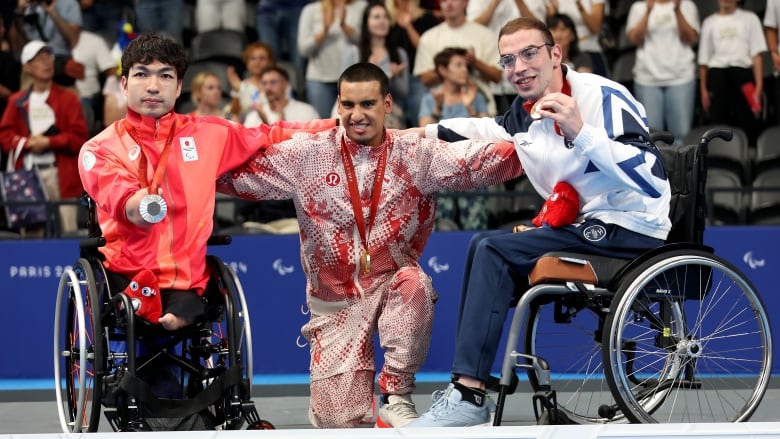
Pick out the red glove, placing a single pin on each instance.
(561, 208)
(144, 293)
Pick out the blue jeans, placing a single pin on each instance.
(279, 29)
(321, 95)
(161, 15)
(668, 108)
(497, 265)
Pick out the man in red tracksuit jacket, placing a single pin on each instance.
(46, 124)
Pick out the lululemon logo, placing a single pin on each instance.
(332, 179)
(594, 233)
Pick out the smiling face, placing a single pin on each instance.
(362, 108)
(537, 77)
(151, 89)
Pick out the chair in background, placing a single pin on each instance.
(725, 198)
(623, 69)
(733, 155)
(767, 150)
(521, 204)
(765, 200)
(222, 45)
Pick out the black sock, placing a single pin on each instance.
(471, 394)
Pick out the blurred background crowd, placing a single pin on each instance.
(692, 63)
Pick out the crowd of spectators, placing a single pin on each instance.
(693, 63)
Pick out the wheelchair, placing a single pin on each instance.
(676, 335)
(105, 356)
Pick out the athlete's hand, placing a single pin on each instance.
(564, 110)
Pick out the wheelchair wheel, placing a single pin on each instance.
(231, 332)
(688, 340)
(566, 331)
(79, 349)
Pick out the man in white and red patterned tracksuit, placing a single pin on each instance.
(362, 270)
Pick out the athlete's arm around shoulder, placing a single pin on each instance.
(477, 128)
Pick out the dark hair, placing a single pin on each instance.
(556, 19)
(442, 59)
(150, 47)
(275, 68)
(365, 72)
(364, 45)
(524, 23)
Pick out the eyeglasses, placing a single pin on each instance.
(527, 55)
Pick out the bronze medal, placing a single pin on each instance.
(365, 261)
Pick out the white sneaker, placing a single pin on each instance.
(397, 412)
(449, 410)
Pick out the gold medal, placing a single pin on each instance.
(365, 262)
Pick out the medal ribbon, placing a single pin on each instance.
(354, 192)
(159, 172)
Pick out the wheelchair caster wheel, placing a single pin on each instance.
(261, 425)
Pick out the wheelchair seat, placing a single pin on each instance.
(649, 339)
(580, 268)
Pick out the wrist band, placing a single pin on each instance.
(153, 208)
(235, 94)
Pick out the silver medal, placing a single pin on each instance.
(153, 208)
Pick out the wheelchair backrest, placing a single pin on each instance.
(686, 170)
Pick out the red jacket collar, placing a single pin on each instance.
(147, 126)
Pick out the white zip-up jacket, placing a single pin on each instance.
(615, 168)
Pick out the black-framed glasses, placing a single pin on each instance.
(527, 55)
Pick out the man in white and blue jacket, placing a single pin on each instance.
(577, 128)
